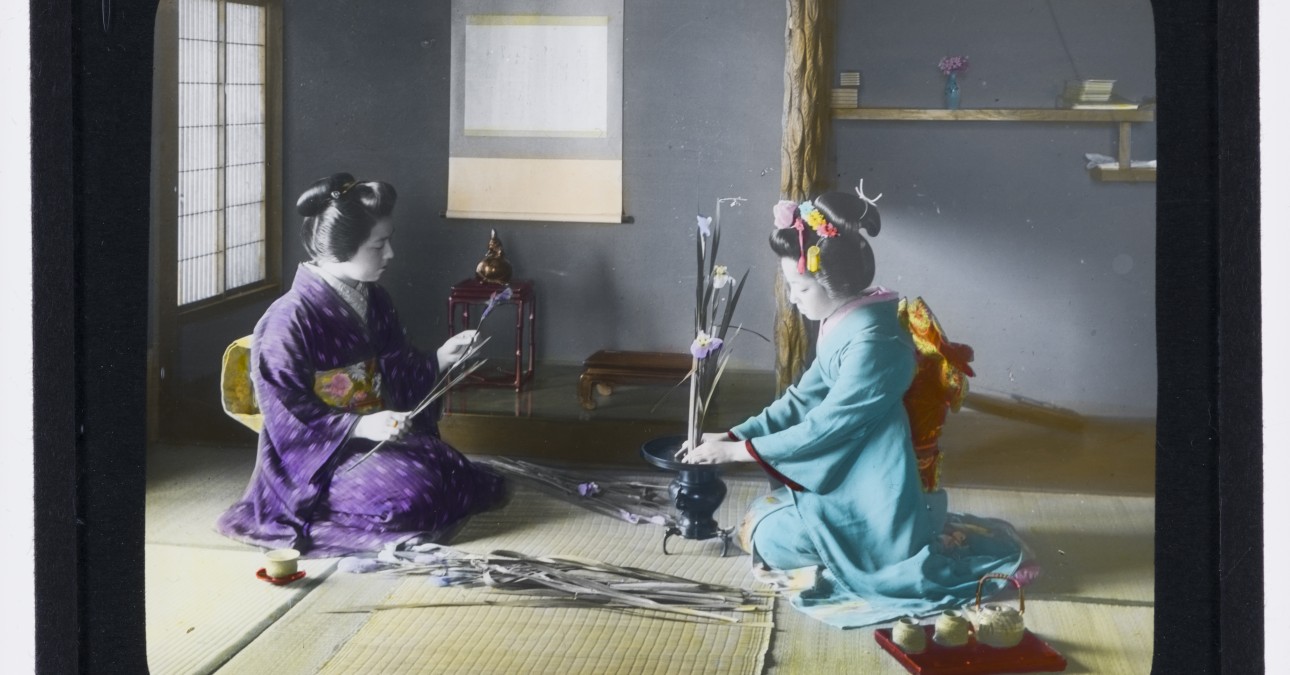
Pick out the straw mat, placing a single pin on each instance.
(510, 639)
(204, 605)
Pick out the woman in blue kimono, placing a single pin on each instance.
(334, 375)
(852, 504)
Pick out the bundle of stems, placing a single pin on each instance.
(446, 381)
(564, 581)
(631, 501)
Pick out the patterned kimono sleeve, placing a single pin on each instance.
(872, 378)
(407, 375)
(787, 410)
(305, 431)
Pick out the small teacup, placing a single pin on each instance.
(952, 629)
(908, 634)
(281, 563)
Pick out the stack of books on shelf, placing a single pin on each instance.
(845, 98)
(1093, 95)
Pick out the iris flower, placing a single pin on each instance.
(705, 225)
(704, 345)
(494, 300)
(719, 276)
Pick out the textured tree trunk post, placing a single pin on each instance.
(808, 41)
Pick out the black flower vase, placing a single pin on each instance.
(697, 492)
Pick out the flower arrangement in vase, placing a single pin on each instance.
(951, 66)
(716, 294)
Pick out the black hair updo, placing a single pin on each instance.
(846, 261)
(340, 213)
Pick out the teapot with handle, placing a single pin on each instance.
(995, 624)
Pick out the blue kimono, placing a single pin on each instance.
(854, 505)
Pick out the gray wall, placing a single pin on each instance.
(368, 93)
(1047, 273)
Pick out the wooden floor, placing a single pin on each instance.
(1082, 497)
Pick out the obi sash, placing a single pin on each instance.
(354, 388)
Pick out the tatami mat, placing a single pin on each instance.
(449, 640)
(1093, 602)
(1095, 640)
(1090, 548)
(189, 489)
(312, 632)
(204, 605)
(503, 640)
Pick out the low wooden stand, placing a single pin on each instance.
(605, 369)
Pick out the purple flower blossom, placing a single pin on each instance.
(705, 225)
(953, 64)
(495, 299)
(589, 489)
(704, 345)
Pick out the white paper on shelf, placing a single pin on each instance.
(1096, 160)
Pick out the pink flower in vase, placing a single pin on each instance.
(953, 64)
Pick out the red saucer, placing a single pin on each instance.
(262, 575)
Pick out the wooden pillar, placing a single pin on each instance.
(808, 69)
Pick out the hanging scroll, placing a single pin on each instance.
(536, 116)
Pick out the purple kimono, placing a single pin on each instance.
(317, 366)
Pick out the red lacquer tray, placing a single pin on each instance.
(1031, 655)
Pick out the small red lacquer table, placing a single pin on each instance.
(470, 292)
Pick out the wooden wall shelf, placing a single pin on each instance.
(1124, 118)
(1131, 175)
(996, 115)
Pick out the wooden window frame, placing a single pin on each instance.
(166, 164)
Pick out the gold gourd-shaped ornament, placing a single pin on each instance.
(494, 268)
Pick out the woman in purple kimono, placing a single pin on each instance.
(333, 372)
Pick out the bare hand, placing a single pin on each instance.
(713, 451)
(704, 438)
(386, 425)
(454, 348)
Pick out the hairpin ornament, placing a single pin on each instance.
(868, 201)
(336, 194)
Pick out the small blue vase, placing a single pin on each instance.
(952, 92)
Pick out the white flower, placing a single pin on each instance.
(719, 276)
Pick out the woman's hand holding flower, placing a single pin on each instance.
(714, 449)
(386, 425)
(454, 348)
